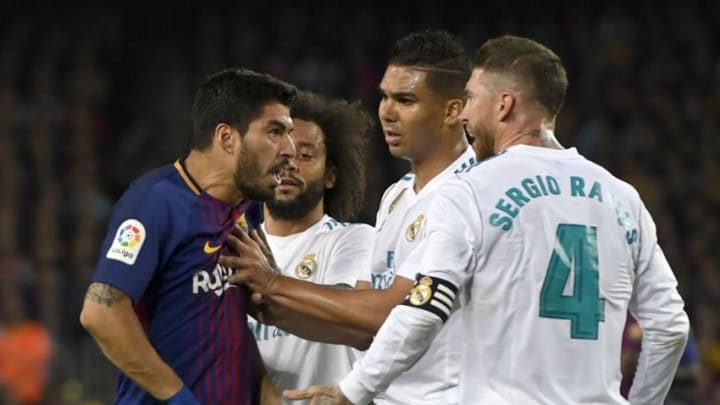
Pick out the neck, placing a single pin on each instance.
(426, 169)
(538, 133)
(285, 227)
(212, 178)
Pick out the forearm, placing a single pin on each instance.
(319, 330)
(115, 327)
(364, 310)
(400, 342)
(658, 308)
(268, 392)
(657, 364)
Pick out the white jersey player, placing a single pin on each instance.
(400, 220)
(330, 253)
(561, 250)
(540, 252)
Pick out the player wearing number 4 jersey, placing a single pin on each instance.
(541, 252)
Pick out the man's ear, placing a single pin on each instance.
(453, 109)
(506, 104)
(225, 137)
(330, 176)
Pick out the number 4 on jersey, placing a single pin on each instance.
(575, 249)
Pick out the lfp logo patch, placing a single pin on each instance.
(129, 236)
(128, 240)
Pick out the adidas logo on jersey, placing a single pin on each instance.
(215, 281)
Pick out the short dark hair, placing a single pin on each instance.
(347, 128)
(441, 53)
(529, 62)
(235, 97)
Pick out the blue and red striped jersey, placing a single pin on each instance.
(161, 249)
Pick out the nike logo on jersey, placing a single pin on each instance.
(208, 249)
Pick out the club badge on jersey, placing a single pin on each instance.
(422, 291)
(307, 267)
(414, 229)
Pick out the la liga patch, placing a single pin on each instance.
(128, 241)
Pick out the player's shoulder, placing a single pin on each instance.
(456, 188)
(330, 225)
(157, 184)
(397, 187)
(620, 188)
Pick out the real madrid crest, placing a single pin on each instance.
(306, 268)
(414, 229)
(422, 292)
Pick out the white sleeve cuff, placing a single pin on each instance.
(353, 389)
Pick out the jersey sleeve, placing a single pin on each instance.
(133, 245)
(351, 256)
(400, 342)
(451, 234)
(443, 261)
(658, 308)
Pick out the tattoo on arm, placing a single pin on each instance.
(104, 294)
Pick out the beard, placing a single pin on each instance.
(483, 141)
(248, 178)
(299, 206)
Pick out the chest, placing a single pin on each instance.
(400, 232)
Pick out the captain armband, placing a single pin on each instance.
(432, 294)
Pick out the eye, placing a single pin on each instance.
(276, 131)
(406, 101)
(304, 156)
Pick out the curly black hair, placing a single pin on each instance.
(441, 53)
(347, 127)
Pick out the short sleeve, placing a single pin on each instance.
(132, 248)
(351, 256)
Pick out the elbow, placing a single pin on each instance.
(684, 327)
(91, 319)
(363, 343)
(87, 320)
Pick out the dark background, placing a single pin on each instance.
(92, 96)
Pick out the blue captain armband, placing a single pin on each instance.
(432, 294)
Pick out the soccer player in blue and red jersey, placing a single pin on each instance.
(159, 305)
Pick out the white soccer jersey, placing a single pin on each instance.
(556, 251)
(399, 224)
(329, 252)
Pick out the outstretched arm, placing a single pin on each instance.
(109, 317)
(310, 328)
(364, 310)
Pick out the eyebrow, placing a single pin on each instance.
(305, 144)
(398, 94)
(278, 123)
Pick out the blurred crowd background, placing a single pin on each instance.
(92, 97)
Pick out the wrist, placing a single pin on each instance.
(353, 390)
(273, 284)
(183, 397)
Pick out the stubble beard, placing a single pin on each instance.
(248, 177)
